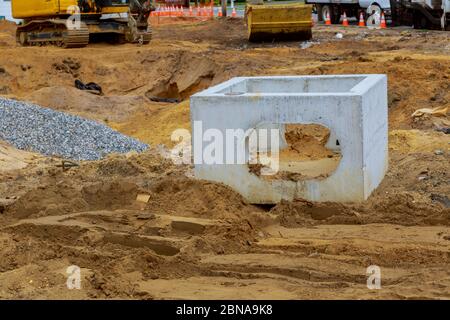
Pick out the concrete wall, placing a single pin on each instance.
(353, 107)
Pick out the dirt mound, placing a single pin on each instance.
(110, 195)
(72, 100)
(156, 124)
(7, 33)
(413, 141)
(114, 183)
(48, 200)
(118, 166)
(232, 31)
(404, 75)
(304, 213)
(189, 73)
(403, 208)
(66, 197)
(8, 27)
(414, 192)
(13, 159)
(108, 184)
(406, 208)
(184, 196)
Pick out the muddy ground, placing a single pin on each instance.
(200, 240)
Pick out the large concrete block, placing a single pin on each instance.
(353, 107)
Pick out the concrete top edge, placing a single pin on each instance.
(279, 94)
(367, 80)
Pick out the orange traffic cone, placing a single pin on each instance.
(190, 11)
(328, 20)
(199, 12)
(233, 13)
(211, 12)
(361, 20)
(345, 20)
(383, 21)
(220, 13)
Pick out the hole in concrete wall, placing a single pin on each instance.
(305, 155)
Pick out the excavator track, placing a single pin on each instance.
(52, 32)
(76, 38)
(55, 32)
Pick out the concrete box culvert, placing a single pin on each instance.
(352, 107)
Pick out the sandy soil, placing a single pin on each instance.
(195, 239)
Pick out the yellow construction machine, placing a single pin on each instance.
(278, 21)
(71, 23)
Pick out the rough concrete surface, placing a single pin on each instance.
(352, 107)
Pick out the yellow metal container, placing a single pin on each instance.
(25, 9)
(22, 9)
(279, 22)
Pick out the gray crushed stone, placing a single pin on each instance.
(30, 127)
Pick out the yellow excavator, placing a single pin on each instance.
(71, 23)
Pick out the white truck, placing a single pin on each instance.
(422, 14)
(352, 8)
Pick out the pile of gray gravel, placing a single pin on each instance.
(30, 127)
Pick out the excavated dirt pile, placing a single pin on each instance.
(140, 227)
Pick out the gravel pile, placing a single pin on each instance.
(30, 127)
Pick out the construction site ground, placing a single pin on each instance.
(200, 240)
